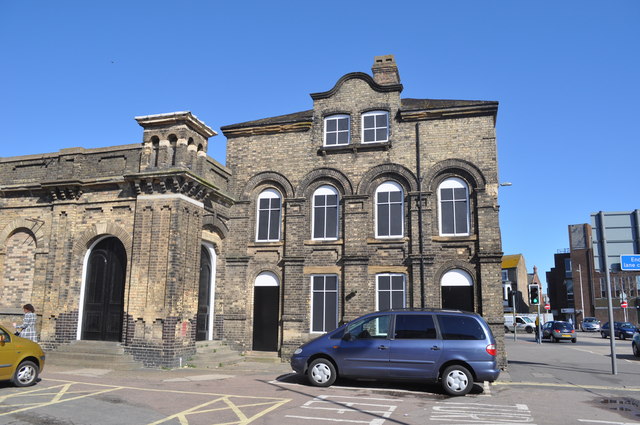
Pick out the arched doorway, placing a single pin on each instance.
(266, 306)
(457, 290)
(104, 291)
(206, 293)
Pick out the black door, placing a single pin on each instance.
(265, 318)
(104, 299)
(457, 297)
(204, 296)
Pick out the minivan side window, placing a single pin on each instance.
(460, 327)
(371, 327)
(415, 326)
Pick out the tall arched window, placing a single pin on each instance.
(325, 213)
(453, 195)
(457, 290)
(389, 210)
(268, 217)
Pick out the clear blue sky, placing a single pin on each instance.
(75, 73)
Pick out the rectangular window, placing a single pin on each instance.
(415, 326)
(269, 219)
(567, 267)
(391, 292)
(336, 130)
(453, 207)
(375, 127)
(324, 303)
(389, 214)
(325, 217)
(603, 287)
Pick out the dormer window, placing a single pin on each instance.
(375, 127)
(336, 130)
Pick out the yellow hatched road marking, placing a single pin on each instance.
(65, 389)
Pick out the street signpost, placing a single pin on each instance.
(623, 304)
(630, 262)
(547, 306)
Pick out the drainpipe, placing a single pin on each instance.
(420, 230)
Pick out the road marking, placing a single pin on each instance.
(574, 386)
(608, 422)
(480, 413)
(340, 405)
(239, 406)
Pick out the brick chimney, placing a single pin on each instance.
(385, 70)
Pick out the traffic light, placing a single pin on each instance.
(534, 294)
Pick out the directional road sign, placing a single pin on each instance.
(630, 262)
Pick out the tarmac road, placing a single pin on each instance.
(546, 383)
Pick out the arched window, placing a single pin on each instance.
(389, 210)
(453, 195)
(268, 220)
(337, 130)
(173, 149)
(457, 290)
(155, 151)
(18, 271)
(325, 213)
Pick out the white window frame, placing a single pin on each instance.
(454, 183)
(268, 194)
(337, 132)
(375, 128)
(325, 191)
(325, 291)
(391, 290)
(389, 186)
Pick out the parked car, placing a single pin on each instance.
(590, 324)
(635, 344)
(452, 347)
(622, 330)
(21, 360)
(523, 324)
(558, 330)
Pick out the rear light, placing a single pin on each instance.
(573, 330)
(491, 349)
(557, 330)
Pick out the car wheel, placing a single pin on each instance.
(322, 373)
(457, 380)
(636, 349)
(506, 330)
(622, 336)
(26, 374)
(554, 339)
(574, 340)
(529, 329)
(602, 335)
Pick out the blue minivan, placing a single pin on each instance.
(452, 347)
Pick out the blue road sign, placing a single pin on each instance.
(630, 262)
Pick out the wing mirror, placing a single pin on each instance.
(347, 337)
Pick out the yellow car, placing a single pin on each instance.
(21, 360)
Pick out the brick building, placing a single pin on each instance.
(366, 201)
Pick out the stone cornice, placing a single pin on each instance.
(293, 127)
(183, 117)
(444, 113)
(178, 182)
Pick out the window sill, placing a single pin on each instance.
(393, 241)
(468, 238)
(323, 242)
(263, 244)
(355, 148)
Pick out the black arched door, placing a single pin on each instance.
(204, 296)
(104, 299)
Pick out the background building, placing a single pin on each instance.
(515, 284)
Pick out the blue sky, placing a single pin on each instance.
(75, 73)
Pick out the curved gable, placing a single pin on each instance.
(361, 76)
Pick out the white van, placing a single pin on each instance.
(523, 323)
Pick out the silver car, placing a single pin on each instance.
(590, 324)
